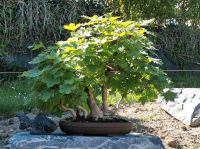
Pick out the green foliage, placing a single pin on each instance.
(175, 21)
(25, 22)
(185, 80)
(180, 44)
(120, 50)
(54, 81)
(169, 95)
(179, 11)
(116, 98)
(103, 50)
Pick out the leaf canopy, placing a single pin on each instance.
(105, 49)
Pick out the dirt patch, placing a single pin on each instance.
(147, 119)
(151, 119)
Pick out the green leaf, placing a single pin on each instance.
(127, 23)
(36, 46)
(50, 81)
(113, 19)
(122, 34)
(45, 95)
(32, 73)
(169, 95)
(69, 49)
(40, 58)
(66, 89)
(71, 81)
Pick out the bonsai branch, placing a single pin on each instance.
(110, 69)
(104, 98)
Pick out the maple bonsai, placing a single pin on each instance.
(105, 52)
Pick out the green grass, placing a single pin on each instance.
(13, 95)
(186, 81)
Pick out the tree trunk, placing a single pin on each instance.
(95, 110)
(104, 98)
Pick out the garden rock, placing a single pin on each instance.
(185, 107)
(17, 61)
(172, 143)
(132, 141)
(3, 135)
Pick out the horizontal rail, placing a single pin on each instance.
(10, 72)
(182, 70)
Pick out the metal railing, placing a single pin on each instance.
(173, 70)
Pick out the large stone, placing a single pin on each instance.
(60, 141)
(185, 107)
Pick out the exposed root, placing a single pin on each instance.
(81, 109)
(95, 110)
(65, 109)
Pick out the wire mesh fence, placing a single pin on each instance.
(181, 78)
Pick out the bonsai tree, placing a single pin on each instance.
(105, 52)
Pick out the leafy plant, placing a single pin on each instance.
(54, 80)
(105, 52)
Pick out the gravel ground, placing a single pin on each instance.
(8, 127)
(151, 119)
(147, 119)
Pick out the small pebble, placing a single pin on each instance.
(3, 135)
(11, 121)
(2, 131)
(184, 128)
(163, 134)
(171, 142)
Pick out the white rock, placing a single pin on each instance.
(185, 107)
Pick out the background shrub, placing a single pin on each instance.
(25, 22)
(176, 23)
(181, 45)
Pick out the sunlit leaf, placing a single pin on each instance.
(68, 49)
(122, 34)
(141, 31)
(127, 23)
(71, 26)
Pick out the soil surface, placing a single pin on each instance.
(107, 119)
(147, 119)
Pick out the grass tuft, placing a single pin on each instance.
(186, 81)
(13, 95)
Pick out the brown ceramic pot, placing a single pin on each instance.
(95, 128)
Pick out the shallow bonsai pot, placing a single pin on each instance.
(95, 128)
